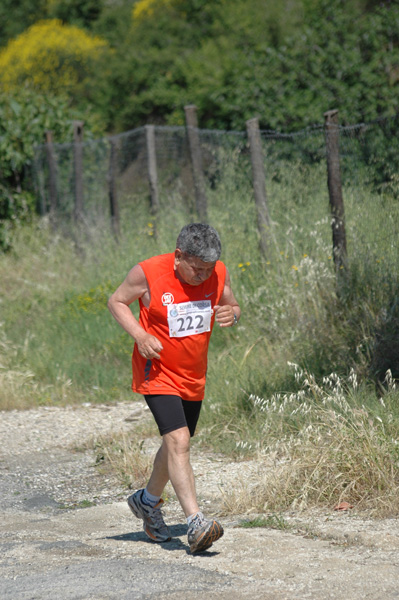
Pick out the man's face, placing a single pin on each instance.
(191, 269)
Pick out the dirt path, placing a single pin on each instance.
(66, 531)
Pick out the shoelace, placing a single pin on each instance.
(156, 514)
(198, 520)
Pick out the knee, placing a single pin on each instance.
(178, 441)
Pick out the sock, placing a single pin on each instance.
(150, 499)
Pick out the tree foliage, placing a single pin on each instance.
(76, 12)
(25, 116)
(50, 57)
(285, 62)
(15, 17)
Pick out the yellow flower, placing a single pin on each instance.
(248, 263)
(305, 256)
(294, 267)
(240, 265)
(146, 8)
(49, 56)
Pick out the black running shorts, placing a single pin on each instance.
(171, 412)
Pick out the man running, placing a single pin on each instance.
(181, 295)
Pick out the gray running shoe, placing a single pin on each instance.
(203, 532)
(153, 523)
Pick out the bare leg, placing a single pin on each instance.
(173, 462)
(159, 476)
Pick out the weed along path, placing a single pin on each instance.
(66, 530)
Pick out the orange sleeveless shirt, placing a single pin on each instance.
(181, 370)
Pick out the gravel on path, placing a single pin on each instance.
(67, 532)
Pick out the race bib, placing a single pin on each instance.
(189, 318)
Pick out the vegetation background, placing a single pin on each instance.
(307, 380)
(141, 62)
(120, 64)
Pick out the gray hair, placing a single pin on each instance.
(200, 240)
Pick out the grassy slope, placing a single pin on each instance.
(59, 344)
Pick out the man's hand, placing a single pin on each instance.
(224, 315)
(148, 345)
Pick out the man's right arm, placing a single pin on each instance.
(135, 286)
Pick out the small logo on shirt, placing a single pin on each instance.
(167, 298)
(207, 295)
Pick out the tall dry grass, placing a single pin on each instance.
(323, 445)
(125, 457)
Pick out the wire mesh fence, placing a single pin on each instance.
(296, 183)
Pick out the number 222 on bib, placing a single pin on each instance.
(189, 318)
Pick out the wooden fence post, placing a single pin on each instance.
(258, 180)
(78, 168)
(39, 185)
(152, 167)
(196, 161)
(112, 192)
(331, 129)
(52, 167)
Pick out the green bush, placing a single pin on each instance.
(25, 116)
(15, 208)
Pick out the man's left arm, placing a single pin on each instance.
(227, 311)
